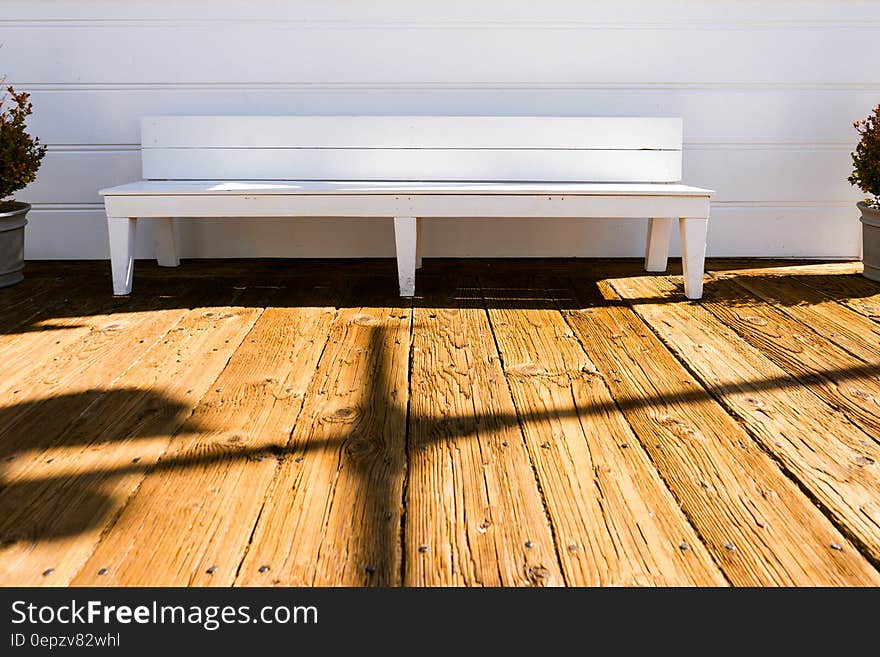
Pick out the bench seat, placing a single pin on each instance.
(200, 187)
(395, 199)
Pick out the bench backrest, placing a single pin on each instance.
(423, 148)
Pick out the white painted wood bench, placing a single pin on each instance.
(407, 168)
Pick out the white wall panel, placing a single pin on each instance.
(217, 53)
(768, 91)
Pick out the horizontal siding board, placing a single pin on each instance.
(284, 52)
(454, 13)
(76, 176)
(430, 132)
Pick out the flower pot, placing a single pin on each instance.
(12, 223)
(870, 241)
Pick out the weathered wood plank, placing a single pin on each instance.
(474, 511)
(50, 523)
(20, 303)
(83, 370)
(333, 515)
(757, 524)
(819, 447)
(190, 521)
(830, 349)
(803, 296)
(615, 521)
(60, 319)
(34, 343)
(777, 267)
(839, 281)
(73, 379)
(855, 292)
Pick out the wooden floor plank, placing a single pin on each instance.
(474, 514)
(82, 372)
(757, 524)
(20, 303)
(333, 515)
(779, 267)
(49, 332)
(65, 319)
(191, 519)
(818, 446)
(74, 379)
(614, 519)
(50, 523)
(819, 307)
(831, 350)
(839, 281)
(855, 292)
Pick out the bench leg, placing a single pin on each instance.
(406, 239)
(122, 231)
(418, 243)
(657, 251)
(693, 254)
(166, 245)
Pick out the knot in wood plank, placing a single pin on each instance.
(344, 414)
(364, 320)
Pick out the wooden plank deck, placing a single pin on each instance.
(520, 423)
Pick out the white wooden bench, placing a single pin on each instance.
(407, 168)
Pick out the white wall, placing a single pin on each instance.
(768, 91)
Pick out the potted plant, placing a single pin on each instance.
(866, 176)
(20, 157)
